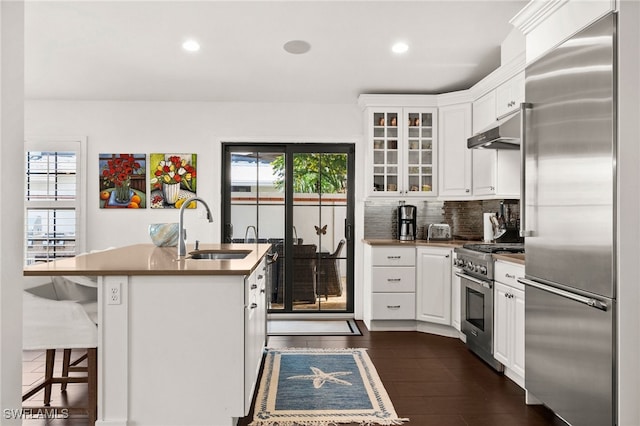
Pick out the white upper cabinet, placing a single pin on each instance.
(509, 96)
(484, 112)
(545, 24)
(496, 172)
(484, 171)
(454, 161)
(402, 147)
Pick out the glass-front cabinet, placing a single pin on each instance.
(402, 151)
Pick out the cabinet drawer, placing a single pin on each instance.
(392, 280)
(393, 256)
(508, 273)
(393, 306)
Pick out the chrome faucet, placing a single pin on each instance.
(255, 234)
(182, 246)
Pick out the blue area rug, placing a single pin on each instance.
(319, 387)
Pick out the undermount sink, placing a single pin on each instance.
(219, 254)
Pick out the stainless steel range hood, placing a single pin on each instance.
(504, 134)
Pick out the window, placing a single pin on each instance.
(54, 225)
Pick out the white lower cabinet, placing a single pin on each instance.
(390, 284)
(433, 287)
(393, 306)
(455, 298)
(508, 344)
(255, 329)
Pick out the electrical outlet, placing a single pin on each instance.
(114, 293)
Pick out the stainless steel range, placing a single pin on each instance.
(474, 263)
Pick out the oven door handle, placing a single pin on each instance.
(472, 279)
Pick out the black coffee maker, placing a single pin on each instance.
(406, 222)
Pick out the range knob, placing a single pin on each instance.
(483, 270)
(470, 265)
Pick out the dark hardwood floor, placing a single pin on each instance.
(432, 380)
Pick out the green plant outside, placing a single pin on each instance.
(313, 173)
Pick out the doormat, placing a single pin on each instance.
(313, 328)
(321, 387)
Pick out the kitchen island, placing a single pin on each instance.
(180, 340)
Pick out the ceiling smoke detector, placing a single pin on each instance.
(297, 47)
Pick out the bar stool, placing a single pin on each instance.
(61, 324)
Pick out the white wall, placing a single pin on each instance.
(11, 191)
(190, 127)
(187, 127)
(628, 237)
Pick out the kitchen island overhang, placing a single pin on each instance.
(185, 334)
(147, 259)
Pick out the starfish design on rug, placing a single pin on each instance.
(319, 377)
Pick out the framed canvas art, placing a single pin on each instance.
(172, 180)
(123, 181)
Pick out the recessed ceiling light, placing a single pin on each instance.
(297, 47)
(191, 45)
(400, 47)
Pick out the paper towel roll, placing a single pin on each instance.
(488, 227)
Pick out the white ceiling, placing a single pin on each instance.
(125, 50)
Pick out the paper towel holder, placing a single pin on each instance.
(488, 236)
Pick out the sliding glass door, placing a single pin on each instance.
(299, 198)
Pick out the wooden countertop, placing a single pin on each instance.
(147, 259)
(507, 257)
(417, 243)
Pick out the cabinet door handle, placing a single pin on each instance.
(394, 280)
(260, 277)
(254, 286)
(467, 190)
(393, 306)
(393, 257)
(253, 306)
(446, 255)
(513, 277)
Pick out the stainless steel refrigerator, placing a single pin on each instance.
(568, 220)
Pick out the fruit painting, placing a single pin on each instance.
(123, 181)
(172, 179)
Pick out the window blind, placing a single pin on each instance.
(51, 205)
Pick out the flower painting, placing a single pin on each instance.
(122, 180)
(173, 179)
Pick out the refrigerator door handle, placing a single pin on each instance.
(572, 296)
(524, 107)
